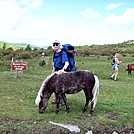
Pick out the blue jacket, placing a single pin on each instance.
(59, 60)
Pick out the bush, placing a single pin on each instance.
(24, 55)
(10, 48)
(124, 55)
(6, 52)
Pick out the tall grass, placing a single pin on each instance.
(19, 114)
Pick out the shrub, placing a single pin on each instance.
(6, 52)
(24, 55)
(10, 48)
(28, 48)
(124, 55)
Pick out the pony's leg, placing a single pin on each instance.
(65, 101)
(57, 104)
(87, 101)
(91, 109)
(86, 105)
(130, 73)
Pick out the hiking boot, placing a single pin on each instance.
(53, 102)
(111, 77)
(62, 104)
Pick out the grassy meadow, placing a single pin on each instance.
(114, 110)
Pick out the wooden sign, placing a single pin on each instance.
(19, 66)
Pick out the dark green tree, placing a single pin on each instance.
(4, 46)
(49, 48)
(35, 48)
(41, 48)
(28, 48)
(10, 48)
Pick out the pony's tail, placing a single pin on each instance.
(95, 91)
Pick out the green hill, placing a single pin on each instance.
(16, 46)
(9, 45)
(124, 47)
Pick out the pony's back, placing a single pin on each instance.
(73, 82)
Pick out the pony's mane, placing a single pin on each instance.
(38, 98)
(44, 83)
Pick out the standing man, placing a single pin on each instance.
(60, 60)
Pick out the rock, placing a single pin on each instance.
(113, 116)
(114, 132)
(89, 132)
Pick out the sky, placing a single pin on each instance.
(76, 22)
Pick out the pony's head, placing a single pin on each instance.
(42, 101)
(42, 105)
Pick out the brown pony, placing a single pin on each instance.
(68, 83)
(130, 67)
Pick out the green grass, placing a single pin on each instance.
(19, 114)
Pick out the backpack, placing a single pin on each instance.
(69, 49)
(113, 62)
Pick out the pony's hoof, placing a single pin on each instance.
(84, 110)
(67, 111)
(41, 112)
(89, 115)
(56, 112)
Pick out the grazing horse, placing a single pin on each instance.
(42, 62)
(130, 67)
(68, 83)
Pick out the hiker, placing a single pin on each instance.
(60, 64)
(43, 54)
(115, 67)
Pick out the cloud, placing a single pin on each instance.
(30, 3)
(113, 6)
(126, 18)
(90, 13)
(16, 24)
(19, 25)
(13, 13)
(10, 14)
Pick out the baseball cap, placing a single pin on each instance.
(56, 42)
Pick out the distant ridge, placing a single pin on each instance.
(16, 46)
(19, 45)
(24, 45)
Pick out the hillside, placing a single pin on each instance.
(16, 46)
(86, 50)
(106, 50)
(8, 45)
